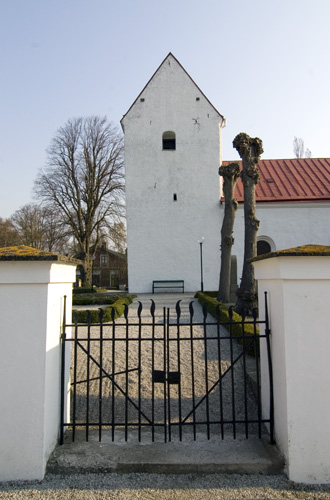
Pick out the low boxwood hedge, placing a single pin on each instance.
(79, 290)
(93, 299)
(234, 325)
(81, 316)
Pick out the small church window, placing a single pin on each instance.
(169, 140)
(175, 197)
(263, 247)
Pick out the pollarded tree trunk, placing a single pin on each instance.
(230, 174)
(249, 150)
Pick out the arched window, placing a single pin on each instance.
(169, 140)
(265, 245)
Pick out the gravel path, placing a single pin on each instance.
(164, 487)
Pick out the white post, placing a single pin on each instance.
(299, 291)
(31, 302)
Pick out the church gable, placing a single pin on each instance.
(171, 88)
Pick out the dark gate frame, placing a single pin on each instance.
(167, 376)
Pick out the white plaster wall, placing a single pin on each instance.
(288, 225)
(55, 310)
(299, 290)
(163, 234)
(31, 298)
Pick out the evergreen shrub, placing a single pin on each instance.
(118, 306)
(93, 299)
(235, 325)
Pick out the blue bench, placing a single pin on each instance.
(167, 284)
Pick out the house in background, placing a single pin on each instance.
(174, 192)
(109, 268)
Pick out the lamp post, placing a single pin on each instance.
(201, 241)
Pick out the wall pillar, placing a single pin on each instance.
(298, 286)
(32, 288)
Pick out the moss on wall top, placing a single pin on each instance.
(304, 250)
(23, 252)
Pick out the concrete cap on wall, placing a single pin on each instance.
(301, 251)
(304, 262)
(23, 252)
(23, 264)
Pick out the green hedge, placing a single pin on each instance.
(79, 290)
(118, 306)
(235, 326)
(93, 299)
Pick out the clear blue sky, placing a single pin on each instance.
(265, 65)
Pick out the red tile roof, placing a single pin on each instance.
(296, 180)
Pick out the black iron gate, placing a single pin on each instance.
(168, 376)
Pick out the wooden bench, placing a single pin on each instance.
(168, 284)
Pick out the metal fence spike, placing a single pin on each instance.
(152, 308)
(178, 309)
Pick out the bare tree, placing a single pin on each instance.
(29, 223)
(8, 233)
(299, 148)
(117, 235)
(249, 150)
(84, 182)
(39, 227)
(230, 174)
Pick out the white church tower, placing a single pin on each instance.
(172, 156)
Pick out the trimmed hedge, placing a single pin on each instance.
(78, 290)
(118, 306)
(235, 325)
(93, 299)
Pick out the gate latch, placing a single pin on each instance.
(160, 376)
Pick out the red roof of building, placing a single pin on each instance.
(295, 180)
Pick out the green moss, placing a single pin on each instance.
(303, 251)
(233, 325)
(23, 252)
(118, 306)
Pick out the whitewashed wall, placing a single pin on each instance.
(31, 299)
(298, 292)
(287, 225)
(163, 234)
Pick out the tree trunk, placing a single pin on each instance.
(250, 151)
(230, 175)
(88, 266)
